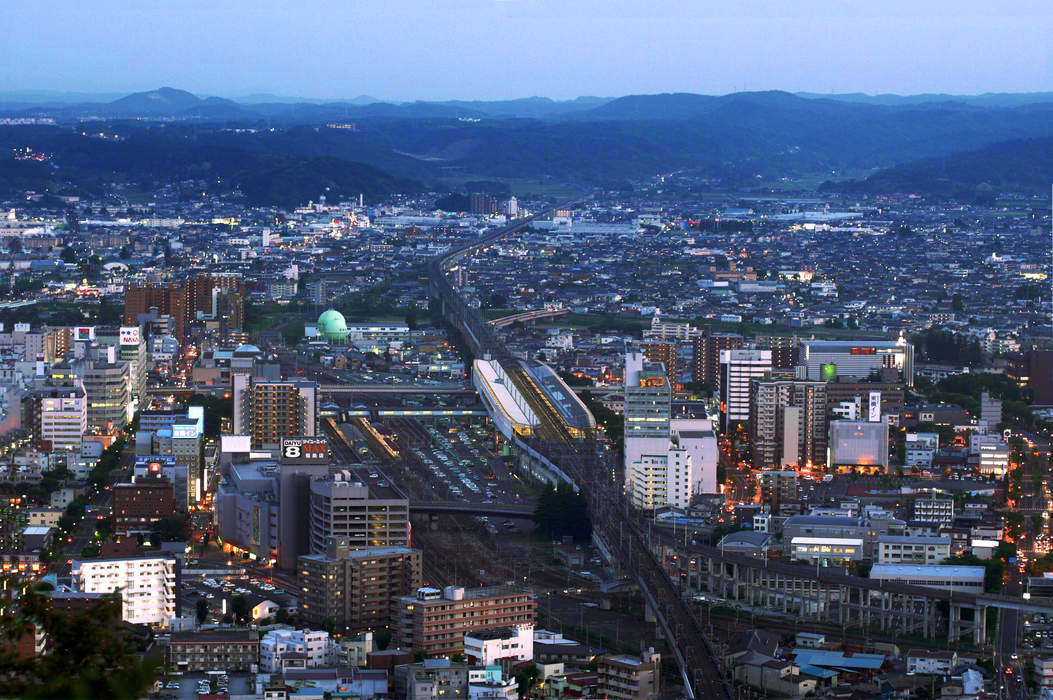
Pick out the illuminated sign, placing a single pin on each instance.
(305, 450)
(84, 333)
(130, 335)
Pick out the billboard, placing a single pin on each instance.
(874, 414)
(84, 333)
(154, 463)
(130, 335)
(828, 372)
(304, 450)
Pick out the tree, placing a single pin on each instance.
(382, 638)
(68, 255)
(169, 530)
(282, 617)
(239, 607)
(202, 610)
(563, 511)
(91, 653)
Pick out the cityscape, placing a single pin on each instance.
(687, 394)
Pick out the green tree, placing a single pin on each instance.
(382, 638)
(68, 255)
(239, 607)
(202, 610)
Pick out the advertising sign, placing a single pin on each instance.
(84, 333)
(129, 335)
(304, 450)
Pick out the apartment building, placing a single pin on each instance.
(269, 411)
(629, 677)
(738, 368)
(898, 549)
(233, 651)
(147, 585)
(350, 508)
(435, 621)
(788, 422)
(354, 587)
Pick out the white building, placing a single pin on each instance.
(315, 645)
(827, 551)
(826, 359)
(946, 577)
(895, 549)
(64, 418)
(492, 646)
(994, 459)
(859, 444)
(935, 510)
(928, 662)
(737, 369)
(146, 584)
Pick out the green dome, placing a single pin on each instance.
(332, 326)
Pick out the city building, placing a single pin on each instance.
(777, 488)
(629, 677)
(858, 446)
(788, 423)
(303, 648)
(107, 385)
(934, 510)
(666, 354)
(738, 368)
(994, 458)
(943, 576)
(706, 355)
(849, 399)
(268, 411)
(137, 506)
(168, 299)
(500, 645)
(354, 587)
(435, 622)
(825, 360)
(350, 508)
(899, 549)
(990, 411)
(1033, 370)
(431, 679)
(147, 585)
(63, 415)
(233, 651)
(827, 551)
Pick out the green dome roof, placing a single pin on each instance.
(332, 326)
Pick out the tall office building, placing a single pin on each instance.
(108, 388)
(647, 410)
(666, 354)
(688, 466)
(737, 369)
(354, 587)
(62, 414)
(706, 357)
(1033, 370)
(787, 423)
(268, 411)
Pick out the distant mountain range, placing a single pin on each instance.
(941, 145)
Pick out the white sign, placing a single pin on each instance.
(875, 407)
(129, 335)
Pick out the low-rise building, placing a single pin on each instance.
(311, 649)
(935, 662)
(499, 645)
(234, 651)
(431, 679)
(630, 677)
(946, 577)
(147, 585)
(895, 549)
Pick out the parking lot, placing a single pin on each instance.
(190, 685)
(218, 590)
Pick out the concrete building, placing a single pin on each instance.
(268, 411)
(859, 446)
(137, 506)
(827, 551)
(147, 585)
(354, 587)
(500, 645)
(990, 411)
(934, 510)
(788, 423)
(738, 368)
(957, 578)
(233, 651)
(706, 356)
(994, 459)
(107, 386)
(824, 360)
(435, 621)
(777, 488)
(666, 354)
(63, 416)
(431, 679)
(348, 507)
(629, 677)
(897, 549)
(303, 648)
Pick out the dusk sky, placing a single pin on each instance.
(498, 49)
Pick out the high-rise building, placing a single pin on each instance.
(783, 350)
(707, 349)
(62, 417)
(268, 411)
(788, 423)
(434, 621)
(170, 299)
(647, 412)
(354, 587)
(737, 369)
(990, 410)
(1033, 370)
(859, 446)
(687, 467)
(666, 354)
(850, 399)
(108, 389)
(357, 511)
(482, 204)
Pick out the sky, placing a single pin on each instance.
(502, 49)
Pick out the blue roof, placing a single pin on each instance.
(816, 671)
(837, 659)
